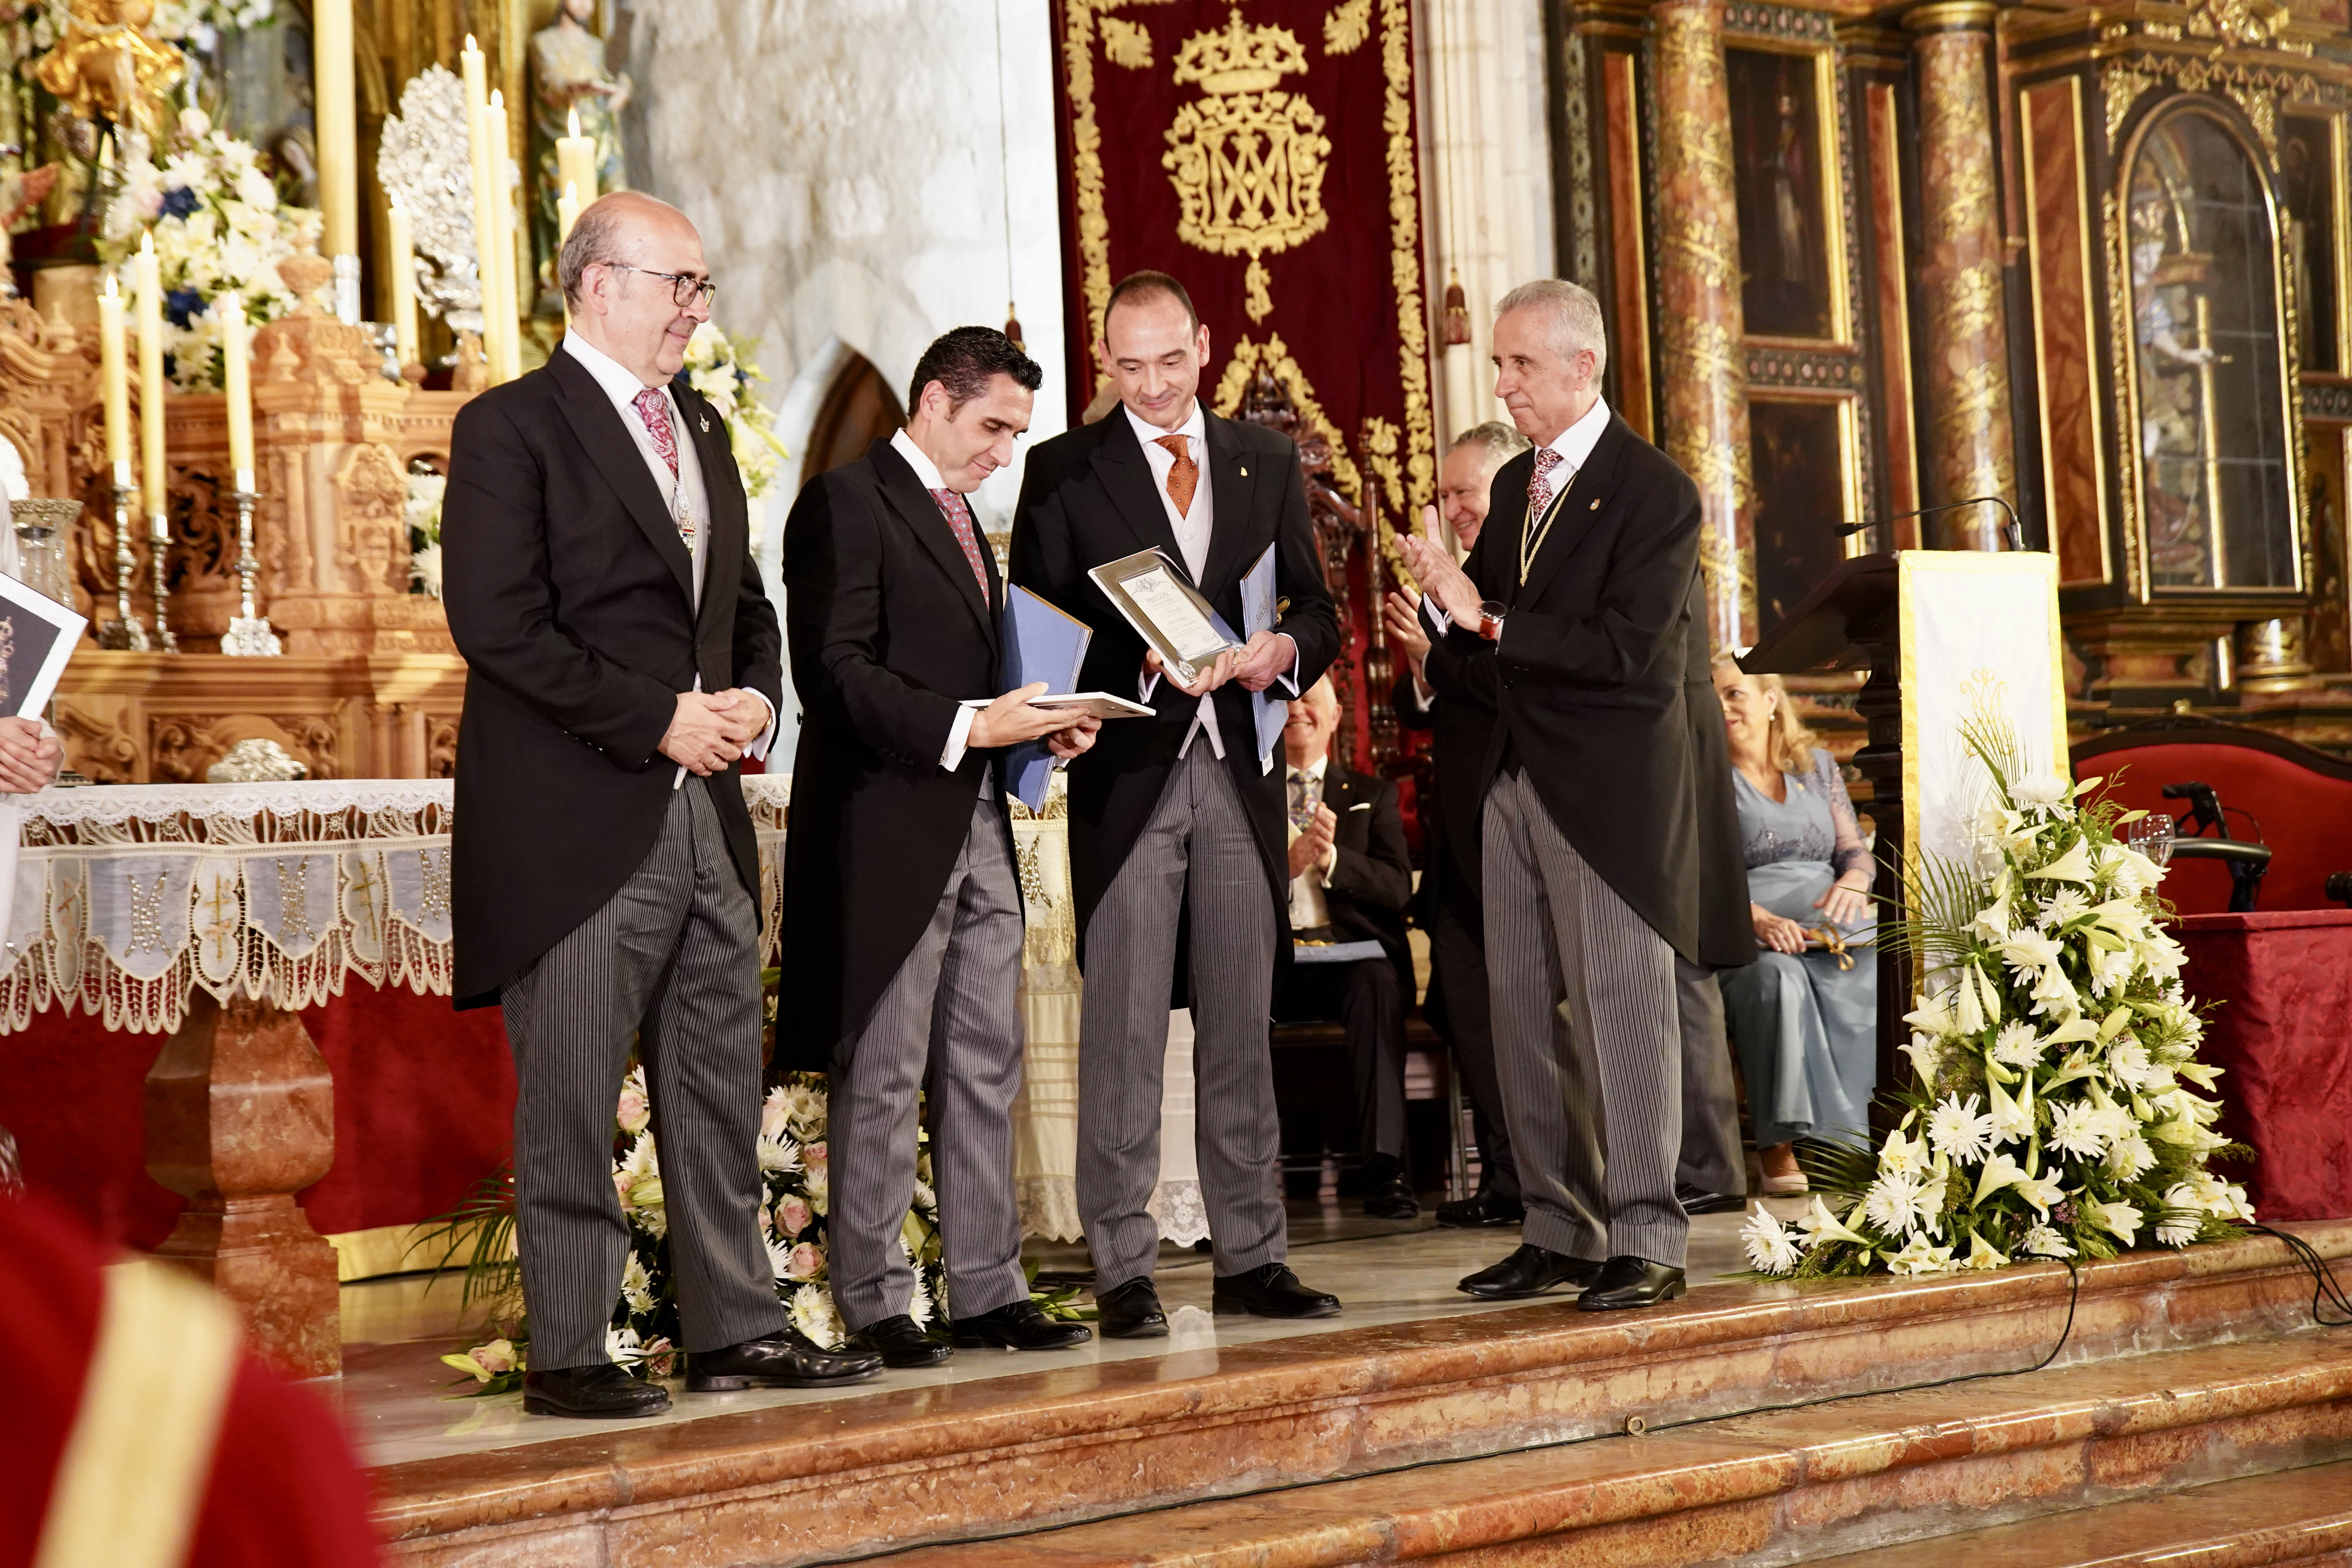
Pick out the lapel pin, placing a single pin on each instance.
(706, 430)
(1596, 500)
(1245, 470)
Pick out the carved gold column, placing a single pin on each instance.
(1699, 329)
(1965, 369)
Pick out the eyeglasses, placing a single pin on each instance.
(684, 288)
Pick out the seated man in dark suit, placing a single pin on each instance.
(1350, 878)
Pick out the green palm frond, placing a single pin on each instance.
(481, 1227)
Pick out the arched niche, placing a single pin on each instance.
(858, 409)
(2212, 432)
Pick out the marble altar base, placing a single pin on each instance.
(1463, 1426)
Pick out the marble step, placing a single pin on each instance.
(1798, 1485)
(889, 1466)
(2294, 1517)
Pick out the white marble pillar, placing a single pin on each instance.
(1490, 185)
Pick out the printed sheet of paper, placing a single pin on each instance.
(1168, 608)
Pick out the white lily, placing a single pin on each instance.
(1818, 1225)
(2000, 1172)
(2119, 1220)
(2074, 866)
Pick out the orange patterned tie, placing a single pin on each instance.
(1185, 476)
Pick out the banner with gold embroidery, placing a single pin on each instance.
(1266, 154)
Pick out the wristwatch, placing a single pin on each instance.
(1490, 621)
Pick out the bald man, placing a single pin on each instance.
(622, 660)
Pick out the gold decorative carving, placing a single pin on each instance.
(1273, 357)
(2244, 24)
(371, 521)
(100, 752)
(1248, 159)
(441, 746)
(2258, 89)
(1348, 25)
(1126, 44)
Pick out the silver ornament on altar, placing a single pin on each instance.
(256, 760)
(425, 161)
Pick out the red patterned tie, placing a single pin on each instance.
(654, 409)
(1539, 484)
(959, 516)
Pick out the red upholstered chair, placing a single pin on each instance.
(2299, 802)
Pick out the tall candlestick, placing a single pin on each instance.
(114, 377)
(147, 277)
(404, 286)
(575, 161)
(502, 227)
(236, 381)
(485, 247)
(338, 125)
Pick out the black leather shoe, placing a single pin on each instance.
(782, 1361)
(1529, 1270)
(1695, 1201)
(1627, 1281)
(1130, 1311)
(900, 1343)
(1271, 1291)
(1484, 1207)
(602, 1392)
(1019, 1326)
(1387, 1194)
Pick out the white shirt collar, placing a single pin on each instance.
(1197, 427)
(1575, 444)
(1314, 770)
(927, 473)
(621, 384)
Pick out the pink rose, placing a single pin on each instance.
(496, 1357)
(621, 1179)
(632, 1113)
(805, 1262)
(815, 1153)
(793, 1215)
(660, 1359)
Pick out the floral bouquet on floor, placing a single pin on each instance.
(793, 1174)
(219, 228)
(2054, 1112)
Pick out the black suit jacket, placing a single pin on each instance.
(1461, 726)
(1591, 669)
(1372, 868)
(571, 596)
(889, 633)
(1088, 498)
(1726, 937)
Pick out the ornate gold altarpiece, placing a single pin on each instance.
(370, 686)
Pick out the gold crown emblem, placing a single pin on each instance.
(1239, 59)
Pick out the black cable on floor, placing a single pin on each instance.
(1634, 1428)
(2322, 1279)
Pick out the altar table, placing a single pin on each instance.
(132, 902)
(2284, 1033)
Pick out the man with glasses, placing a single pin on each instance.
(621, 659)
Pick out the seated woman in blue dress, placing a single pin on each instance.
(1802, 1021)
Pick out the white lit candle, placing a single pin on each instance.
(148, 277)
(404, 285)
(502, 241)
(331, 74)
(575, 161)
(115, 379)
(478, 132)
(236, 381)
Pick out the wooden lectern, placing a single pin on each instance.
(1852, 621)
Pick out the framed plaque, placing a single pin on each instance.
(1160, 602)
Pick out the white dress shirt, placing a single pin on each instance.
(1193, 530)
(1310, 908)
(1574, 446)
(927, 474)
(683, 494)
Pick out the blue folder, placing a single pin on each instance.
(1040, 643)
(1269, 707)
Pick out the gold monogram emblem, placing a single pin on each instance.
(1248, 159)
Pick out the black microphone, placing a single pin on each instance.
(2014, 532)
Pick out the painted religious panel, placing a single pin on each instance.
(2209, 389)
(1801, 453)
(2311, 172)
(1783, 148)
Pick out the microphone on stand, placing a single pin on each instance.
(2014, 532)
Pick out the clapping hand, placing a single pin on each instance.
(1433, 566)
(1400, 615)
(1314, 840)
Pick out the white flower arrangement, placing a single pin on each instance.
(2054, 1049)
(426, 491)
(218, 229)
(719, 367)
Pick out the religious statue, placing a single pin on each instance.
(105, 67)
(19, 194)
(570, 76)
